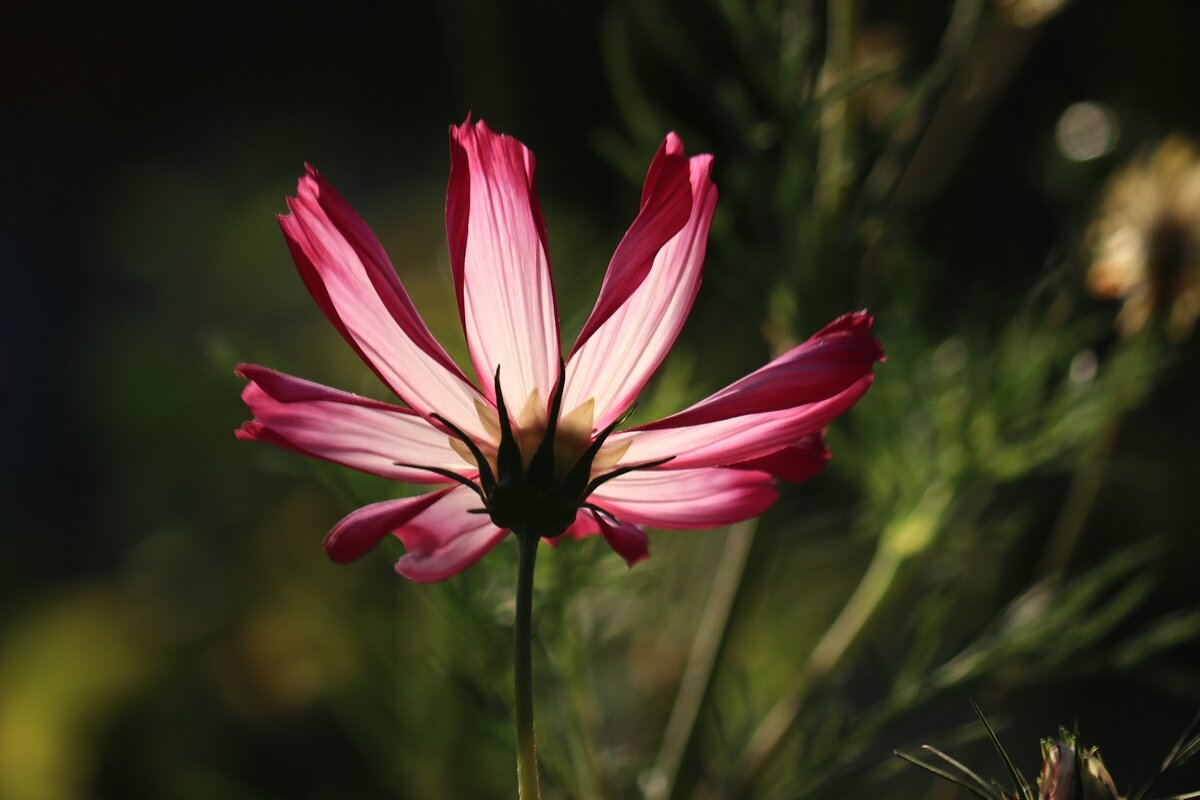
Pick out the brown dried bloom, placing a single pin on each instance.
(1145, 240)
(1073, 773)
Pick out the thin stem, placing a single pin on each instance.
(860, 609)
(833, 161)
(1080, 500)
(697, 677)
(905, 538)
(527, 774)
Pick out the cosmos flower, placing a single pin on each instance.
(1146, 240)
(534, 446)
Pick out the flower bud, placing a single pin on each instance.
(1070, 773)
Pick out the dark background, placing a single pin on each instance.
(143, 152)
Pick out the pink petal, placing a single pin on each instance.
(584, 526)
(794, 463)
(666, 206)
(830, 361)
(626, 539)
(687, 499)
(615, 362)
(350, 277)
(441, 537)
(732, 441)
(446, 539)
(355, 535)
(501, 267)
(324, 423)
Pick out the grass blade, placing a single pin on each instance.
(949, 776)
(1019, 780)
(960, 766)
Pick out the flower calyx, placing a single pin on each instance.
(534, 498)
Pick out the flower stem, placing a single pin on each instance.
(836, 642)
(527, 775)
(696, 681)
(834, 169)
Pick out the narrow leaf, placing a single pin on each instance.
(1020, 785)
(949, 776)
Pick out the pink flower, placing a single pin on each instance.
(533, 447)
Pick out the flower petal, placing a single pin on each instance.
(446, 539)
(357, 432)
(361, 530)
(831, 360)
(795, 463)
(737, 439)
(665, 209)
(441, 537)
(501, 267)
(687, 499)
(350, 277)
(626, 539)
(615, 362)
(583, 526)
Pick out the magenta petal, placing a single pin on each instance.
(795, 463)
(666, 206)
(449, 560)
(357, 432)
(615, 362)
(830, 361)
(359, 532)
(626, 539)
(351, 279)
(500, 262)
(737, 439)
(584, 526)
(446, 538)
(687, 499)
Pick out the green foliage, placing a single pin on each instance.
(1007, 513)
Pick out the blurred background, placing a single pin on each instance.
(1011, 186)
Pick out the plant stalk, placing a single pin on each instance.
(834, 170)
(837, 641)
(527, 773)
(696, 682)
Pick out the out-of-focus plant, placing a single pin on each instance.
(1146, 240)
(835, 140)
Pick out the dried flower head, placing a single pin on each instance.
(1073, 773)
(1145, 240)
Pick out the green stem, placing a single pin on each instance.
(837, 641)
(527, 775)
(834, 169)
(1080, 499)
(696, 682)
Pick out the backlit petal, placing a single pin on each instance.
(731, 441)
(614, 364)
(359, 532)
(666, 207)
(626, 539)
(584, 526)
(344, 428)
(831, 360)
(687, 499)
(795, 463)
(445, 539)
(501, 267)
(353, 282)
